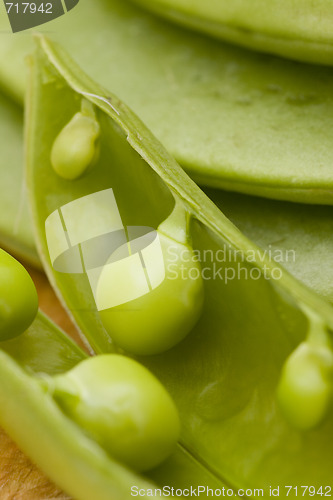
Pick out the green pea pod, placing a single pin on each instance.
(296, 31)
(298, 236)
(112, 403)
(223, 375)
(233, 119)
(74, 461)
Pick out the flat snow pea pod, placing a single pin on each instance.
(299, 236)
(222, 112)
(301, 32)
(123, 406)
(60, 448)
(224, 375)
(158, 320)
(18, 298)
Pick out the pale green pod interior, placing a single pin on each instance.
(223, 376)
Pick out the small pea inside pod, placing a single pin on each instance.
(162, 317)
(18, 298)
(75, 149)
(122, 406)
(305, 387)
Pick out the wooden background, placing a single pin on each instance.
(19, 478)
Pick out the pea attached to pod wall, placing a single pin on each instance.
(75, 149)
(160, 319)
(305, 388)
(121, 405)
(18, 298)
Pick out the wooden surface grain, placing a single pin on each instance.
(19, 478)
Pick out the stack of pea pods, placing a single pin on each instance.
(192, 138)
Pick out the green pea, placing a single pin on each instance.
(305, 388)
(160, 319)
(122, 406)
(18, 298)
(75, 150)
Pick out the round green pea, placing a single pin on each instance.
(18, 298)
(121, 405)
(160, 319)
(75, 150)
(305, 388)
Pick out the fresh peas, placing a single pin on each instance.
(305, 388)
(75, 149)
(122, 406)
(18, 298)
(224, 375)
(160, 319)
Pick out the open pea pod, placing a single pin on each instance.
(299, 31)
(279, 227)
(37, 424)
(72, 459)
(302, 230)
(224, 375)
(232, 118)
